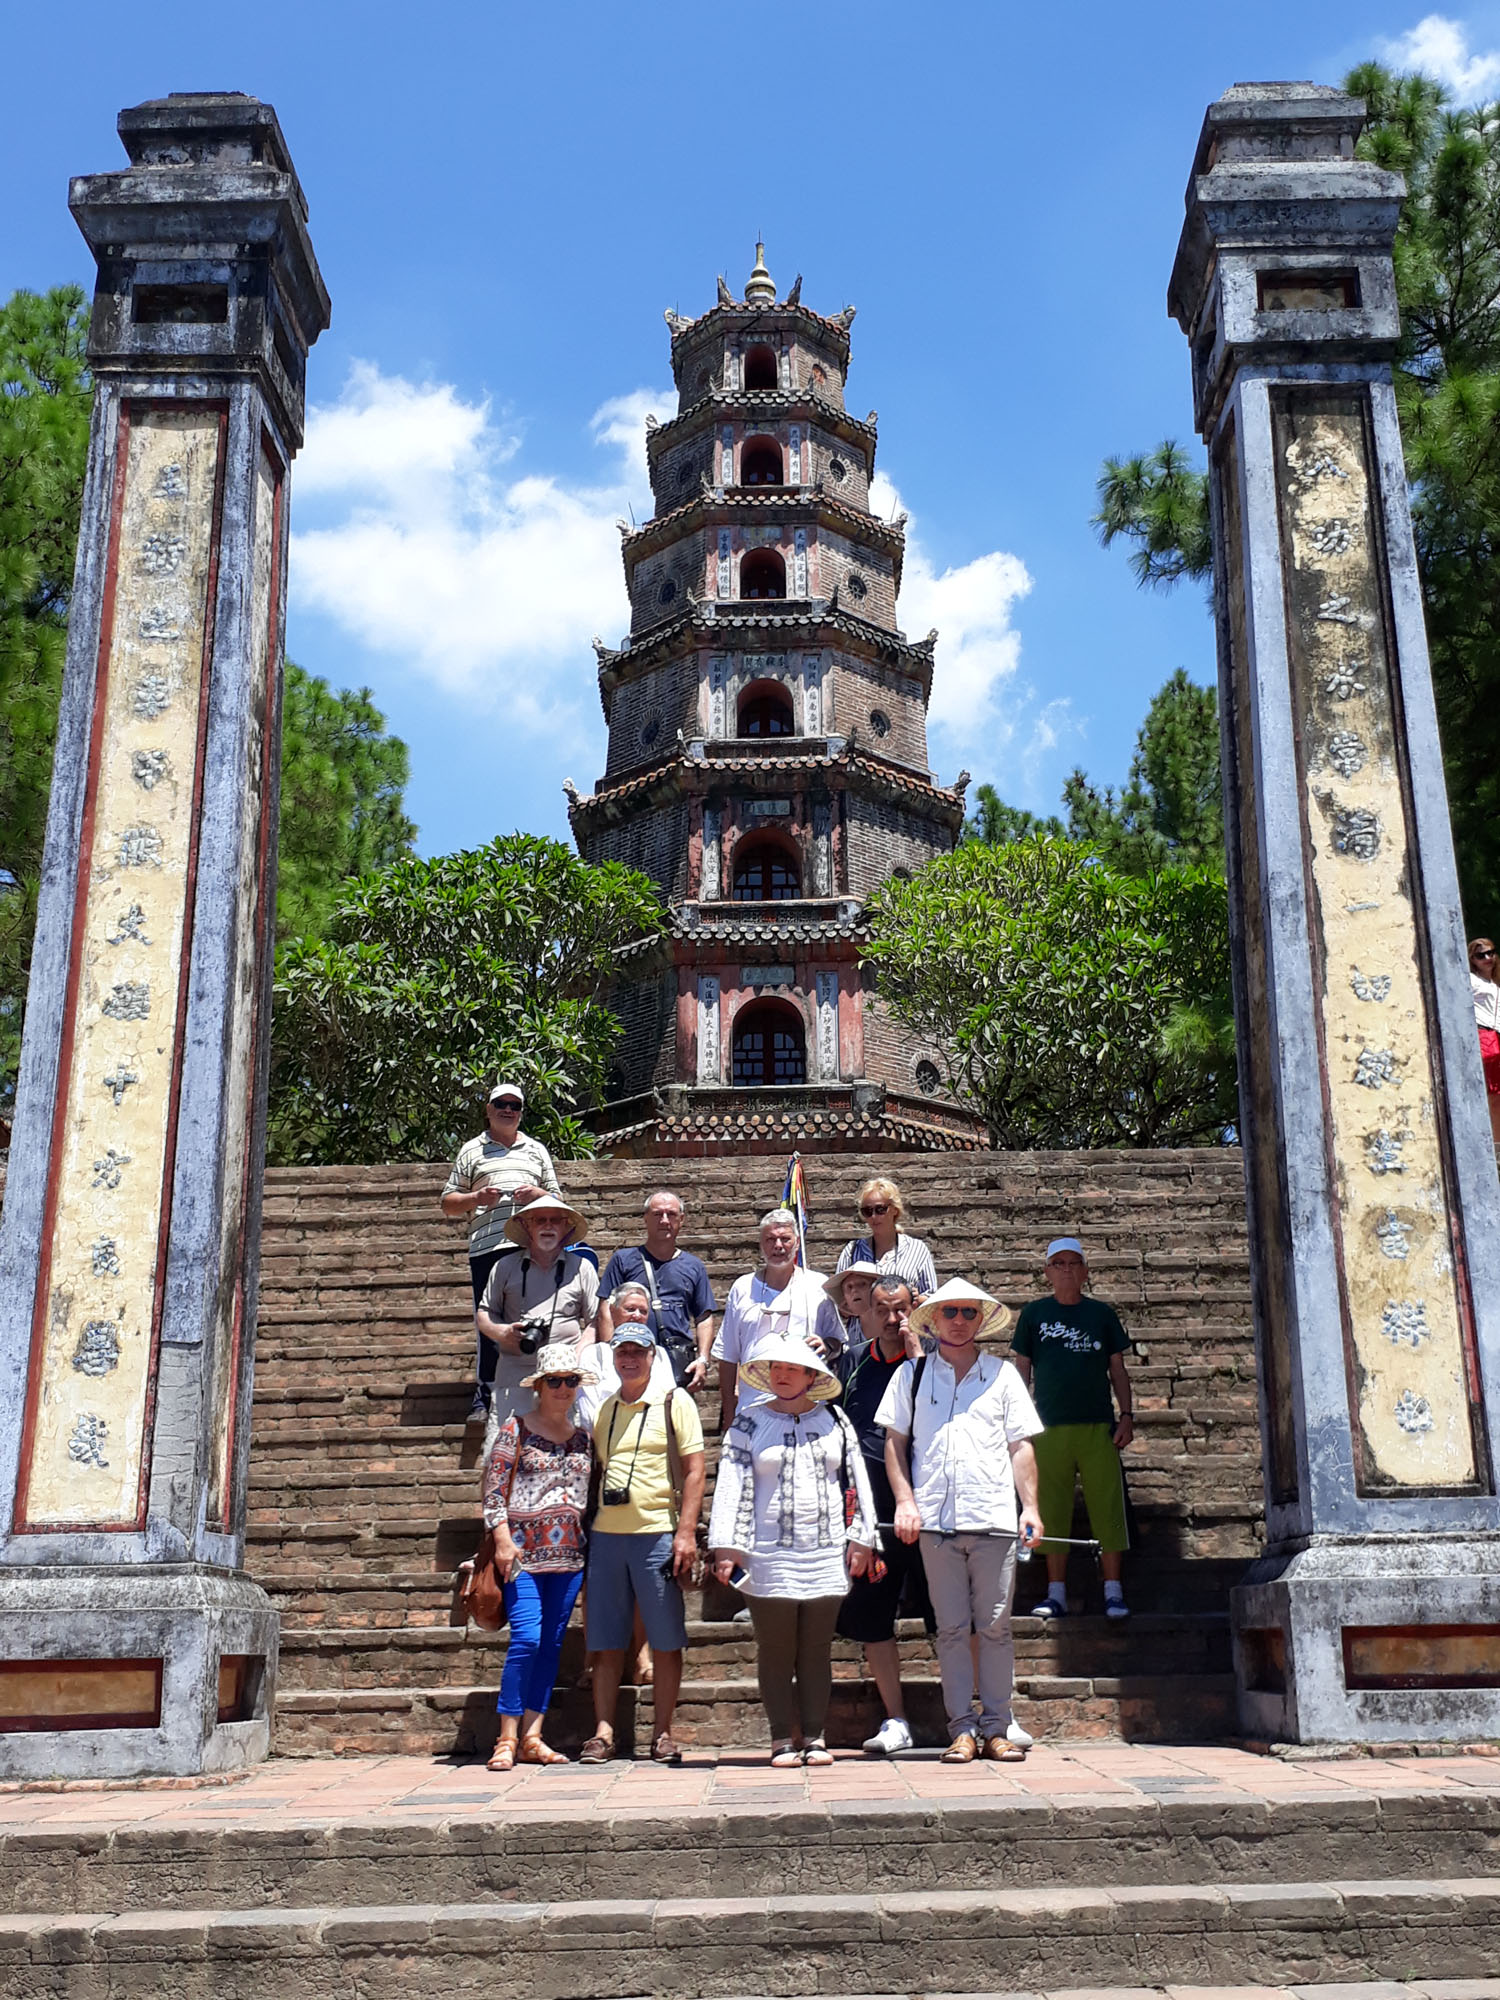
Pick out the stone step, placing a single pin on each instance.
(283, 1838)
(315, 1659)
(973, 1941)
(460, 1721)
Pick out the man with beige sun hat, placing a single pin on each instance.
(958, 1427)
(540, 1294)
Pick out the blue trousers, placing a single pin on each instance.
(539, 1608)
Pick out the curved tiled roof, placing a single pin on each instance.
(719, 401)
(697, 622)
(733, 500)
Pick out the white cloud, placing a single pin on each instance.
(424, 542)
(429, 549)
(979, 705)
(1439, 47)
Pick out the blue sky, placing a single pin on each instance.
(505, 198)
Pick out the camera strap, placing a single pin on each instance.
(609, 1449)
(557, 1278)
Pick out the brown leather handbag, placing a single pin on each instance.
(481, 1587)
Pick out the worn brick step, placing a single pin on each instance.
(970, 1842)
(992, 1941)
(724, 1714)
(465, 1657)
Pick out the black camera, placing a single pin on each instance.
(615, 1496)
(533, 1334)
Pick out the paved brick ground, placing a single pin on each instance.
(401, 1789)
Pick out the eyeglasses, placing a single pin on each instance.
(869, 1208)
(1484, 954)
(509, 1106)
(959, 1312)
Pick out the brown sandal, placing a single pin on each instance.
(598, 1750)
(665, 1751)
(999, 1751)
(534, 1751)
(962, 1750)
(503, 1756)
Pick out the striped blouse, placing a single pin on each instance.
(910, 1259)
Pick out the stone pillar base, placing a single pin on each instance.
(134, 1673)
(1376, 1641)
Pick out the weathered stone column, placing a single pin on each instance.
(130, 1641)
(1375, 1614)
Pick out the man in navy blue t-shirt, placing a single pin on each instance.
(682, 1299)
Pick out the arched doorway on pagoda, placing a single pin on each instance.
(760, 462)
(769, 1046)
(765, 709)
(763, 574)
(767, 869)
(761, 371)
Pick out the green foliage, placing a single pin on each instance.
(1448, 390)
(342, 816)
(1171, 806)
(994, 821)
(44, 428)
(1158, 502)
(1082, 1006)
(433, 978)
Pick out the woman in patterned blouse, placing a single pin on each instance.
(793, 1513)
(536, 1491)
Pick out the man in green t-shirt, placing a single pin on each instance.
(1070, 1352)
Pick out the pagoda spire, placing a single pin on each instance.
(760, 286)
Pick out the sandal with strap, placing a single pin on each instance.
(1000, 1751)
(817, 1753)
(598, 1750)
(785, 1756)
(534, 1751)
(503, 1756)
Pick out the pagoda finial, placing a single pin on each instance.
(760, 286)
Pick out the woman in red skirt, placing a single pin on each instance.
(1484, 978)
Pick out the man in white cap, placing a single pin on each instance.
(1071, 1354)
(958, 1428)
(495, 1172)
(546, 1296)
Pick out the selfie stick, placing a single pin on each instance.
(1024, 1549)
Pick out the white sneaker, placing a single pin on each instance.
(1116, 1607)
(1022, 1738)
(891, 1736)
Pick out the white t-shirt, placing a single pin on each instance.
(594, 1395)
(1486, 1000)
(754, 1314)
(961, 1433)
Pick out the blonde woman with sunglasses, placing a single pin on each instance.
(886, 1244)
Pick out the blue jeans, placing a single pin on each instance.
(539, 1608)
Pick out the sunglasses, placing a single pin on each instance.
(509, 1105)
(959, 1312)
(563, 1381)
(869, 1208)
(1483, 954)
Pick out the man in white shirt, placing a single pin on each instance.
(780, 1301)
(958, 1428)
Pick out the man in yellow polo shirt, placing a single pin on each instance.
(644, 1539)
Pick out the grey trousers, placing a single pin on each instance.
(971, 1579)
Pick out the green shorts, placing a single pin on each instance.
(1066, 1452)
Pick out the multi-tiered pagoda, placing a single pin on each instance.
(767, 760)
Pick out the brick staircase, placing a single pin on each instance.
(363, 1477)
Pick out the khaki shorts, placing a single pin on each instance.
(1066, 1453)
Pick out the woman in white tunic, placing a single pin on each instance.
(793, 1520)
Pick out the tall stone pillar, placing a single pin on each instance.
(130, 1640)
(1375, 1614)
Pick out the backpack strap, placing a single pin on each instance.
(674, 1456)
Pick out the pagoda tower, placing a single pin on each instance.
(767, 762)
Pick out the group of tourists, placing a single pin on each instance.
(879, 1455)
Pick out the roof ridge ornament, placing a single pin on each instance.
(760, 286)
